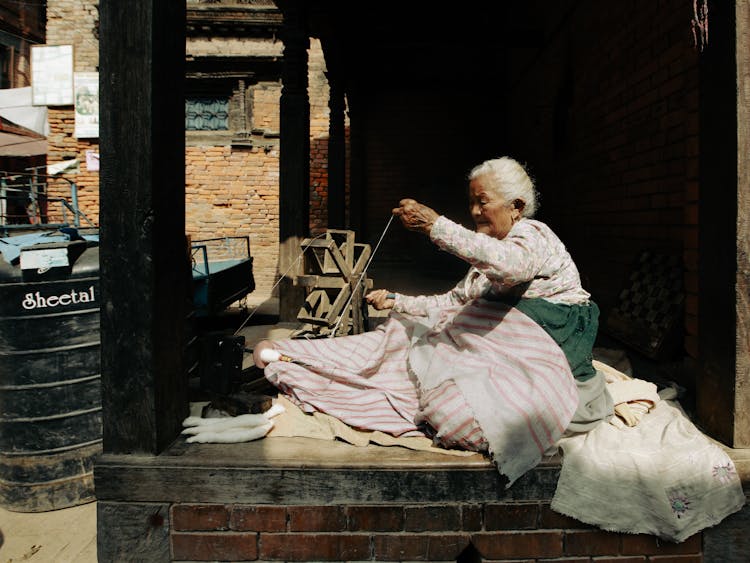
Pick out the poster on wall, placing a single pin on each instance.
(87, 105)
(92, 161)
(52, 75)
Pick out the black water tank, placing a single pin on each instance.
(50, 396)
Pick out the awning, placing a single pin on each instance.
(16, 140)
(20, 145)
(22, 125)
(16, 106)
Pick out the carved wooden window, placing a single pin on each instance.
(207, 113)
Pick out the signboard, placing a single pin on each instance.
(44, 259)
(52, 75)
(87, 104)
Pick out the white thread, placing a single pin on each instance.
(299, 257)
(364, 271)
(279, 281)
(268, 355)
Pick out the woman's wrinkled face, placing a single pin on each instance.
(491, 213)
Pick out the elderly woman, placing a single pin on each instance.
(501, 363)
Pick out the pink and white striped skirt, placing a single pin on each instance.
(494, 379)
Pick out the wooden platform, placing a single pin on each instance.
(305, 470)
(274, 468)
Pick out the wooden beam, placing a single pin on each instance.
(145, 270)
(302, 470)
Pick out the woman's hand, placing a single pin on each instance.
(259, 347)
(415, 216)
(380, 299)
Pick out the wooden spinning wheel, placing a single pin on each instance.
(335, 281)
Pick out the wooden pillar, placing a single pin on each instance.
(742, 288)
(721, 401)
(294, 160)
(336, 154)
(143, 257)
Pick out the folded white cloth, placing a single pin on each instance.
(632, 397)
(227, 430)
(633, 390)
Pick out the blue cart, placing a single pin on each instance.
(222, 273)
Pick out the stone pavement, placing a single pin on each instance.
(59, 536)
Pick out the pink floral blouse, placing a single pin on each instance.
(531, 261)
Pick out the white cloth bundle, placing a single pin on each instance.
(662, 476)
(229, 430)
(632, 397)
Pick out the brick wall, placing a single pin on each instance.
(507, 531)
(610, 127)
(228, 192)
(421, 141)
(266, 106)
(62, 146)
(76, 23)
(233, 192)
(318, 91)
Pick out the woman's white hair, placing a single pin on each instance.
(508, 179)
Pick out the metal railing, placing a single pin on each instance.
(25, 202)
(218, 249)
